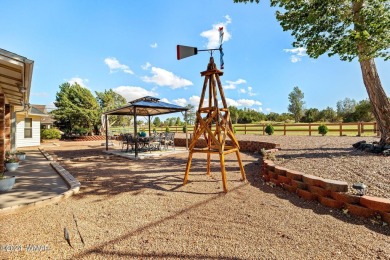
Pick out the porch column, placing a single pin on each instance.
(2, 132)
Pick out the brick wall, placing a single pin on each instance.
(330, 193)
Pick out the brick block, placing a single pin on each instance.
(385, 217)
(277, 182)
(375, 203)
(271, 167)
(312, 180)
(294, 175)
(360, 211)
(329, 202)
(307, 195)
(333, 185)
(299, 184)
(319, 191)
(289, 188)
(266, 177)
(273, 174)
(345, 197)
(280, 170)
(284, 179)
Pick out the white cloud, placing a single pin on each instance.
(163, 77)
(146, 66)
(260, 109)
(153, 45)
(248, 102)
(132, 92)
(268, 109)
(250, 93)
(242, 90)
(232, 102)
(297, 53)
(80, 81)
(115, 65)
(233, 84)
(165, 100)
(212, 35)
(181, 102)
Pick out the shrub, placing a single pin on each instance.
(184, 129)
(269, 129)
(323, 129)
(167, 129)
(51, 133)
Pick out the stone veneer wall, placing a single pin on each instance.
(330, 193)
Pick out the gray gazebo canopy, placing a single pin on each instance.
(145, 106)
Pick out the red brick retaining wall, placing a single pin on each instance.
(330, 193)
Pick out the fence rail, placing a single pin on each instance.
(357, 128)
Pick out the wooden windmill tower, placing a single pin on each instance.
(212, 122)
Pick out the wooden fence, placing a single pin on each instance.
(357, 128)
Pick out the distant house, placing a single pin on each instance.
(29, 125)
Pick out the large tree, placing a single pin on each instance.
(296, 103)
(349, 28)
(109, 100)
(77, 108)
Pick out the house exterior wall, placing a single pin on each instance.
(21, 141)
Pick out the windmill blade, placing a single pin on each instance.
(222, 64)
(185, 51)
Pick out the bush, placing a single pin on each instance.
(51, 133)
(167, 129)
(323, 129)
(269, 129)
(184, 129)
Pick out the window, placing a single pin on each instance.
(28, 128)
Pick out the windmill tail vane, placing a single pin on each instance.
(187, 51)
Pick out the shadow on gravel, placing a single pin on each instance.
(254, 178)
(109, 175)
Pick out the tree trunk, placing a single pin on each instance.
(379, 100)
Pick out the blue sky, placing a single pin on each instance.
(130, 47)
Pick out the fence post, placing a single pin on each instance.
(359, 128)
(284, 128)
(263, 129)
(341, 129)
(245, 129)
(309, 129)
(362, 128)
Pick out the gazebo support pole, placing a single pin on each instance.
(106, 126)
(135, 133)
(149, 124)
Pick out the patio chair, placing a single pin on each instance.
(127, 141)
(169, 139)
(155, 141)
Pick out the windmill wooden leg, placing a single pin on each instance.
(223, 171)
(187, 168)
(208, 163)
(243, 176)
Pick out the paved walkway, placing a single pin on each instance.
(36, 180)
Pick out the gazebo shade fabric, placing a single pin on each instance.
(146, 106)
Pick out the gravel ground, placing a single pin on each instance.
(139, 209)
